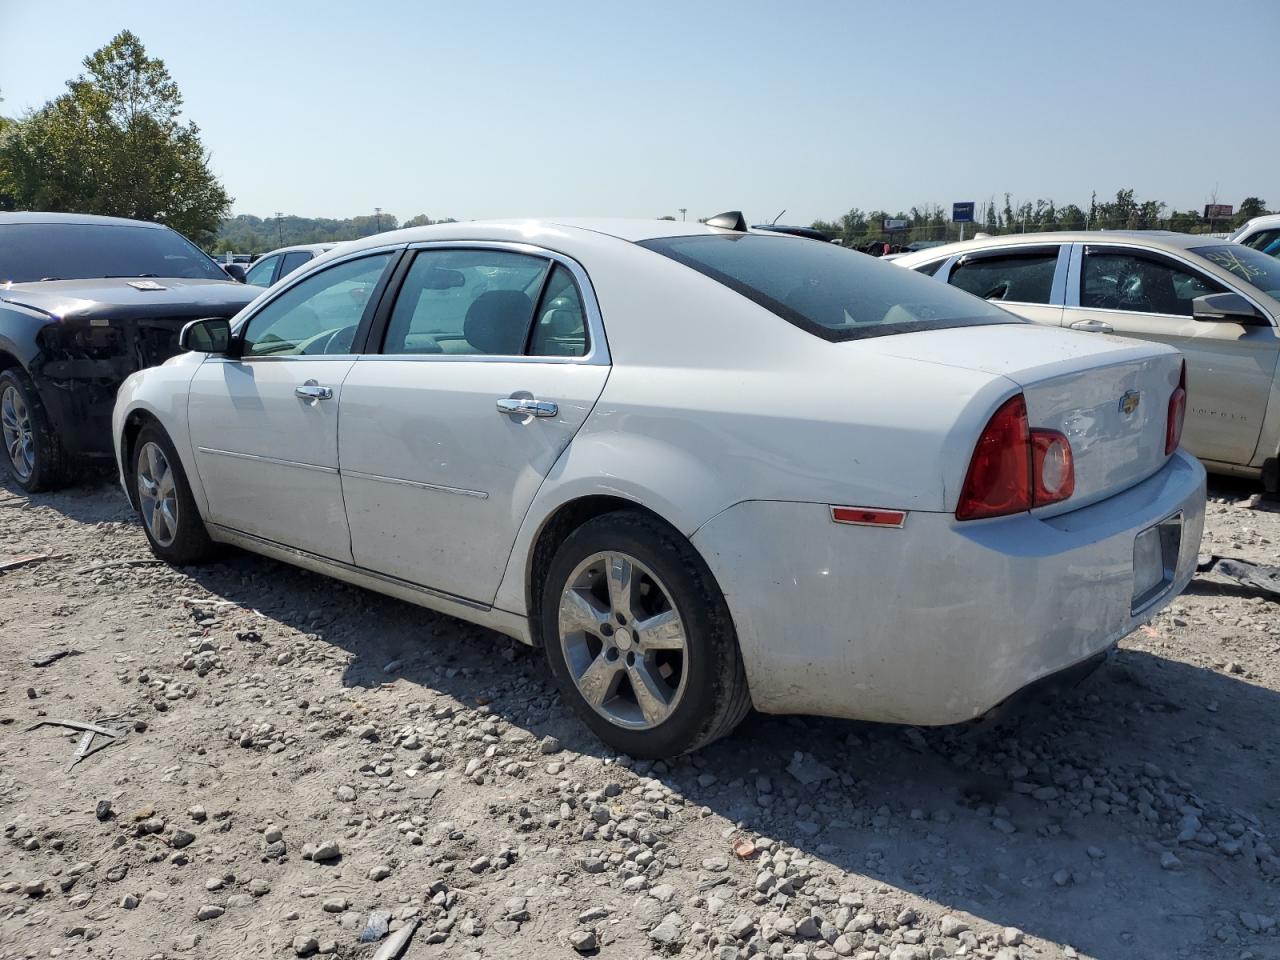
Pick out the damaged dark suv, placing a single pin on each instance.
(84, 302)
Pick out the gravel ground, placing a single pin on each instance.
(300, 760)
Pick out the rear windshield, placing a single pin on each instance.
(833, 293)
(83, 251)
(1252, 266)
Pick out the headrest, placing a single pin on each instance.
(497, 322)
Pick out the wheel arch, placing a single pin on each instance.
(134, 421)
(559, 524)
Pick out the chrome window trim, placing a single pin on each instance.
(598, 345)
(1073, 289)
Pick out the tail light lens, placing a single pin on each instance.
(999, 478)
(1177, 413)
(1015, 468)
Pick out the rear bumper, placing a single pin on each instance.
(939, 621)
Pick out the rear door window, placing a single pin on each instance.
(466, 301)
(1024, 276)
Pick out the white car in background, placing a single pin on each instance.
(277, 264)
(1261, 233)
(704, 468)
(1215, 300)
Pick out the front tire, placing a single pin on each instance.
(32, 450)
(639, 638)
(168, 511)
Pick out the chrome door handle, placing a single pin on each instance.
(526, 407)
(1092, 326)
(312, 391)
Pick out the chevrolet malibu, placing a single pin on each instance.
(704, 468)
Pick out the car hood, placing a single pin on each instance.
(110, 298)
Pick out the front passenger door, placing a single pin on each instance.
(264, 424)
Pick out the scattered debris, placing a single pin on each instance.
(108, 564)
(1258, 576)
(13, 563)
(396, 943)
(376, 926)
(43, 658)
(85, 747)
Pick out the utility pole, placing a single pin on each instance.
(683, 211)
(279, 228)
(377, 211)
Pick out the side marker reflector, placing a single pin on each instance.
(869, 516)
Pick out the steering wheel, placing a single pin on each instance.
(340, 341)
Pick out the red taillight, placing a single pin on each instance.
(1015, 468)
(999, 478)
(1177, 413)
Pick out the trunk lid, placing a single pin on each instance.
(1108, 396)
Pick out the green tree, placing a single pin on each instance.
(115, 144)
(1250, 207)
(1070, 217)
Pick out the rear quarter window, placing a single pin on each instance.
(831, 292)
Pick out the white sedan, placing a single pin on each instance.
(705, 468)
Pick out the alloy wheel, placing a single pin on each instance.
(157, 494)
(623, 640)
(17, 431)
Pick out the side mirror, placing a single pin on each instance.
(1226, 308)
(210, 335)
(235, 271)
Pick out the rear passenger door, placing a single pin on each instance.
(1028, 281)
(481, 370)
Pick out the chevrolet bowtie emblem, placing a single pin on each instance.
(1129, 401)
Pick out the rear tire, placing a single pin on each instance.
(32, 449)
(639, 638)
(170, 518)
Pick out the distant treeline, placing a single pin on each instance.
(931, 221)
(250, 234)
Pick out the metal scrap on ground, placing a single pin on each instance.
(85, 748)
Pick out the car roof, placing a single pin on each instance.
(1155, 239)
(308, 247)
(540, 230)
(75, 218)
(1258, 223)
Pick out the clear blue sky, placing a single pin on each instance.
(478, 109)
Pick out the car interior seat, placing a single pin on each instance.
(497, 321)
